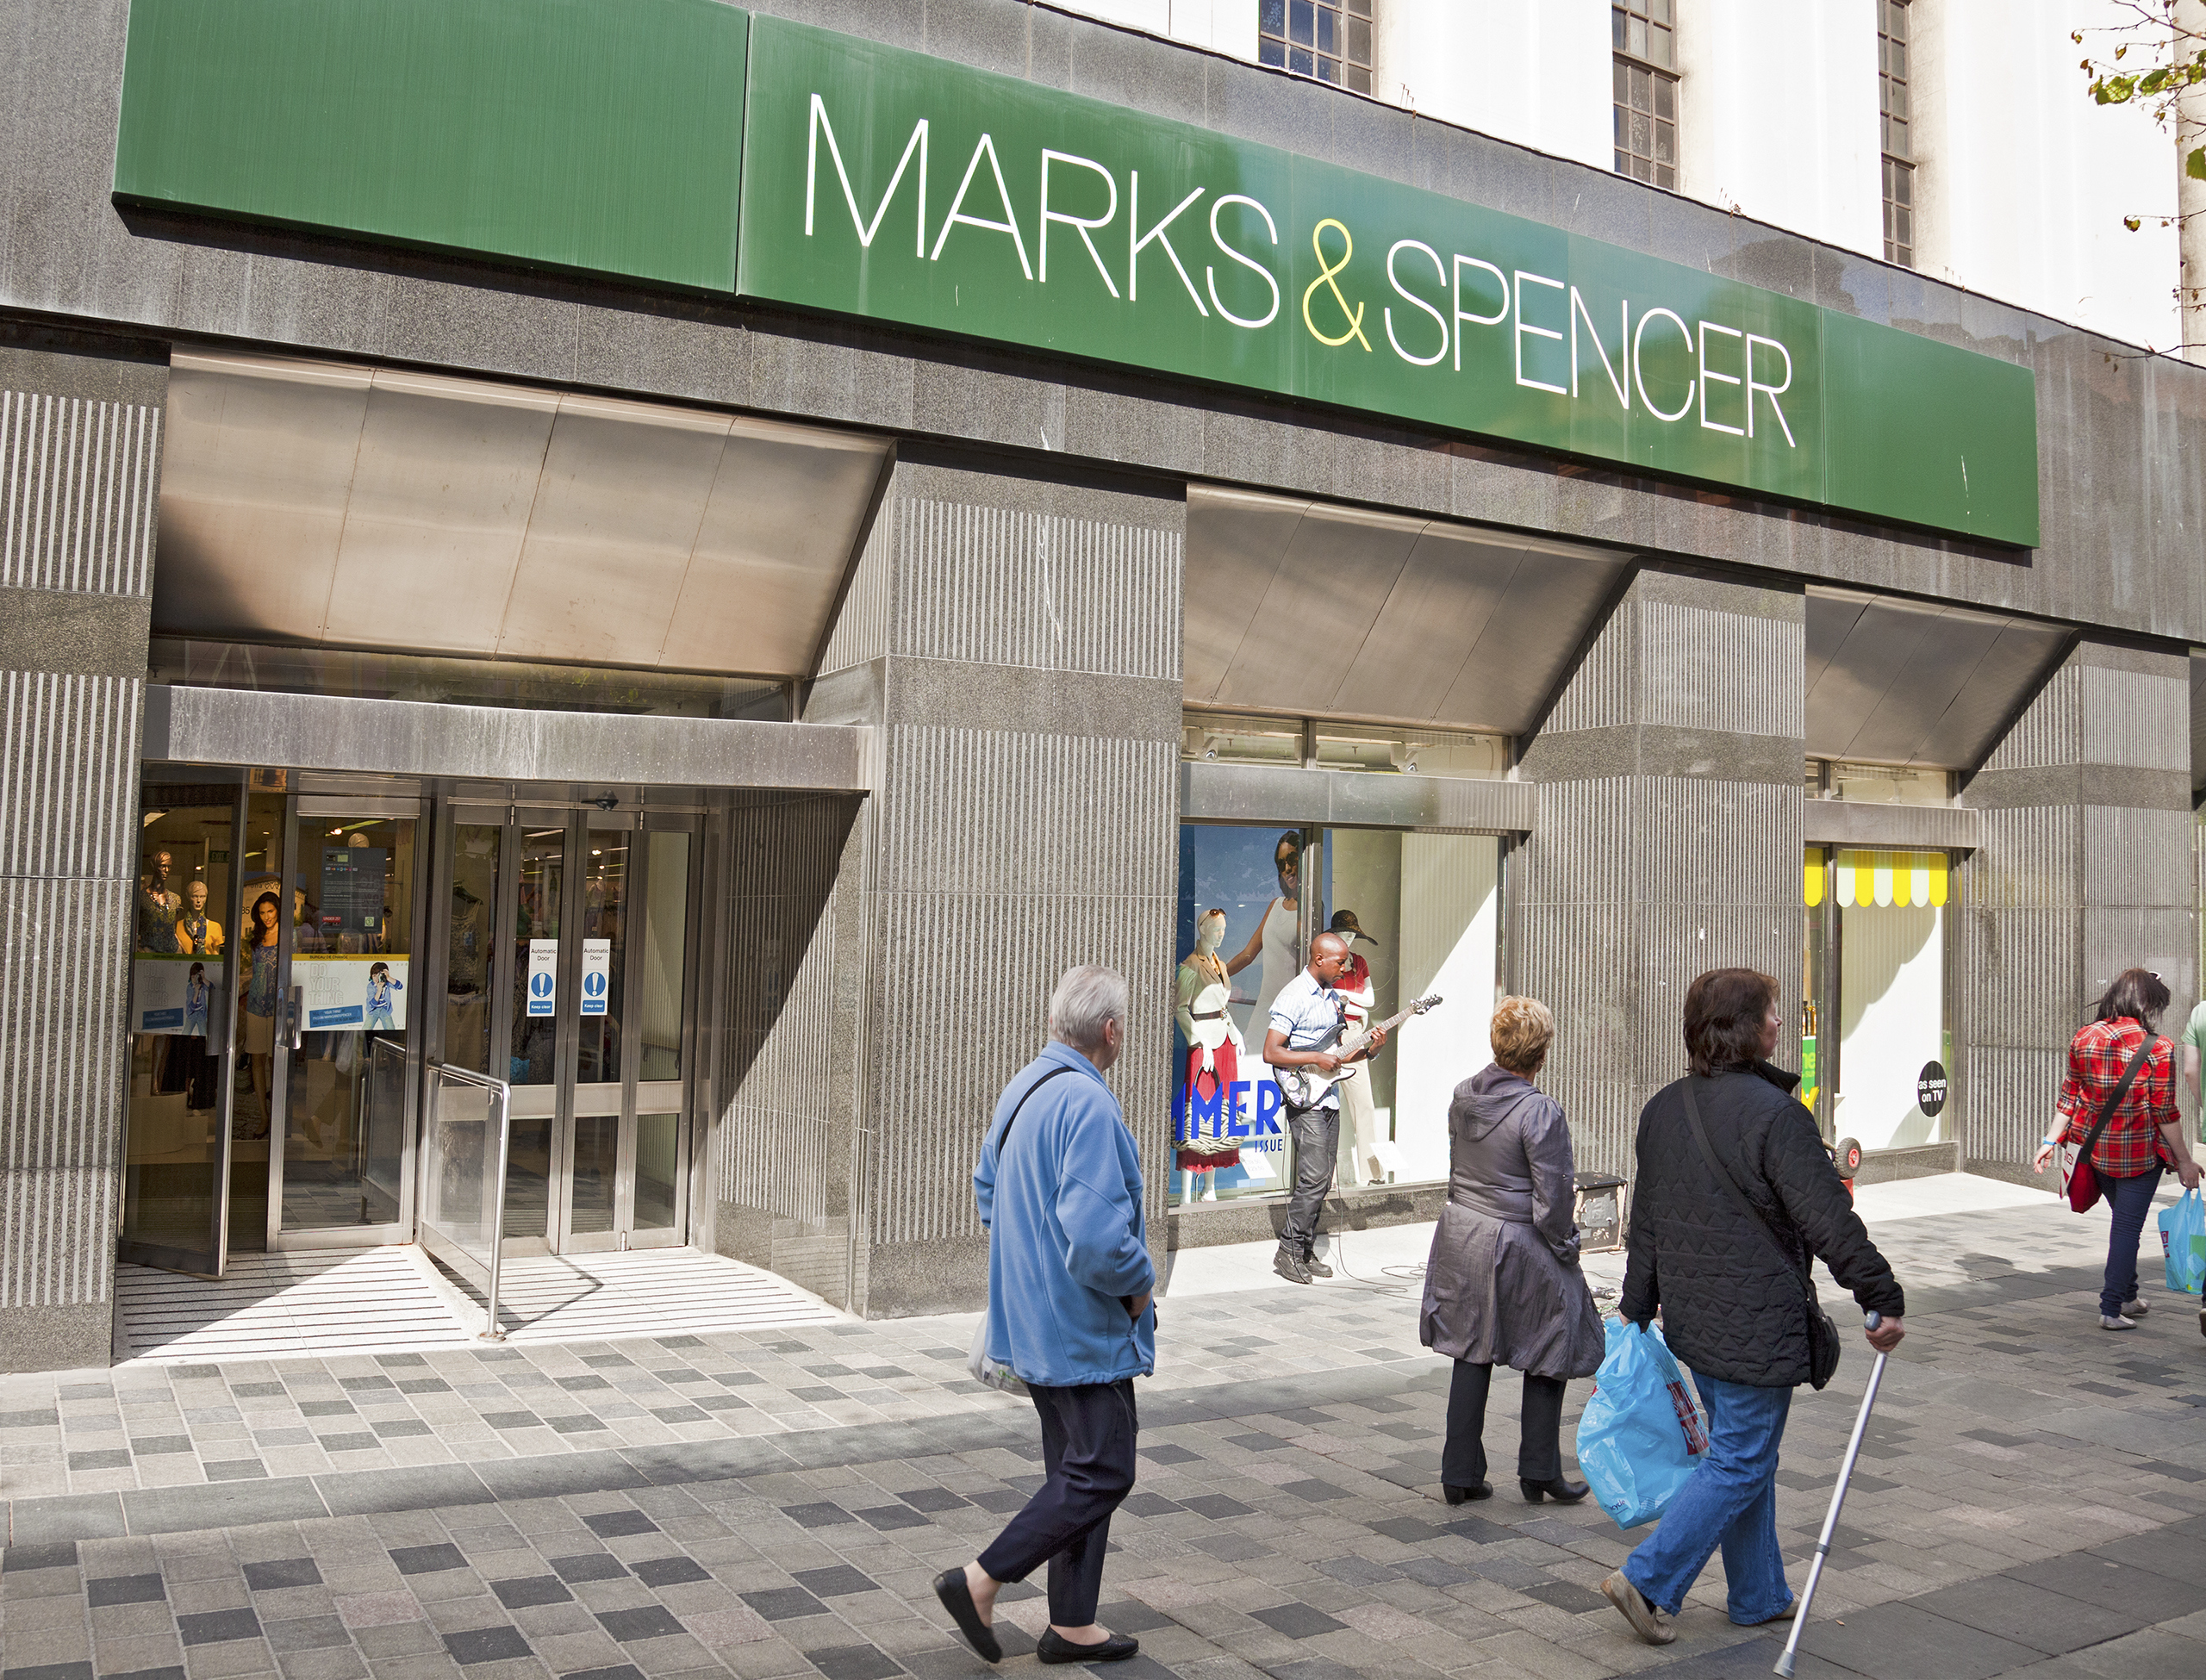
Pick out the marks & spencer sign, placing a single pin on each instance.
(892, 186)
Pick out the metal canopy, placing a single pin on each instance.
(346, 507)
(1301, 607)
(1908, 682)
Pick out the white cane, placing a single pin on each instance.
(1837, 1501)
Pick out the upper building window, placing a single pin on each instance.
(1644, 33)
(1896, 116)
(1329, 40)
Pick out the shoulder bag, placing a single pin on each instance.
(1822, 1334)
(982, 1369)
(2080, 1184)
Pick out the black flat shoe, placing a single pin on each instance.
(1562, 1492)
(1054, 1647)
(958, 1598)
(1459, 1495)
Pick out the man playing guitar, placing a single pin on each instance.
(1307, 1011)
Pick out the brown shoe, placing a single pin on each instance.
(1649, 1623)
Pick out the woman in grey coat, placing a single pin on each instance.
(1503, 1287)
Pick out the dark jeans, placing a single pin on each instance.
(1317, 1135)
(1087, 1457)
(1539, 1442)
(2130, 1199)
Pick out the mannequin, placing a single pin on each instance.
(1214, 1043)
(1359, 1114)
(1277, 937)
(197, 933)
(158, 905)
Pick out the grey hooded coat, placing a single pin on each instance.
(1502, 1286)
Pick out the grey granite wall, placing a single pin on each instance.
(1668, 839)
(79, 460)
(1017, 641)
(2085, 869)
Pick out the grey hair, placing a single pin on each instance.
(1086, 997)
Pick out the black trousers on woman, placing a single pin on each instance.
(1088, 1463)
(1539, 1446)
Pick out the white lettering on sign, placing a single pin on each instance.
(543, 976)
(1623, 373)
(597, 975)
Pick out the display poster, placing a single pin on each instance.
(597, 975)
(543, 976)
(353, 880)
(168, 994)
(355, 994)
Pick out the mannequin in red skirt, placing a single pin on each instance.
(1214, 1042)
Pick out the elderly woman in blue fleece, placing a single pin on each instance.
(1059, 1188)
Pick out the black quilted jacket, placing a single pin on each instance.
(1728, 1308)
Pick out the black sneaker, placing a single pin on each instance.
(1316, 1267)
(1289, 1266)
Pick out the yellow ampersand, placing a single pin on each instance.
(1353, 317)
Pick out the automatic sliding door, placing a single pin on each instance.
(535, 978)
(596, 1173)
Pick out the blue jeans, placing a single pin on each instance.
(1731, 1501)
(2130, 1200)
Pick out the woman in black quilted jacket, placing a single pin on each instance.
(1734, 1309)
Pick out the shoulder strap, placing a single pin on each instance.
(1021, 1104)
(2113, 1101)
(1723, 1176)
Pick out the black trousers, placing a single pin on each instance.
(1317, 1135)
(1539, 1446)
(1087, 1456)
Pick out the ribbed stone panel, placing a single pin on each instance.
(68, 774)
(77, 493)
(1008, 859)
(62, 1051)
(1731, 671)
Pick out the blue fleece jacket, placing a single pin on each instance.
(1063, 1207)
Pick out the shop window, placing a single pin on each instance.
(1877, 1068)
(1426, 908)
(1895, 116)
(1328, 40)
(1644, 35)
(1883, 784)
(1208, 738)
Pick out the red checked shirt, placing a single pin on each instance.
(2131, 1143)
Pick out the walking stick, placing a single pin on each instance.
(1837, 1500)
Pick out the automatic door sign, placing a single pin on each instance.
(1930, 1088)
(543, 976)
(597, 975)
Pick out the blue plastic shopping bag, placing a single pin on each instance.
(1643, 1432)
(2183, 1240)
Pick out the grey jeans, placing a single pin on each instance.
(1317, 1135)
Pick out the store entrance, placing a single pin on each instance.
(567, 959)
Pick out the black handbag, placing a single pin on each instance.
(1822, 1334)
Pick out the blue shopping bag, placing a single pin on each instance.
(2183, 1240)
(1643, 1432)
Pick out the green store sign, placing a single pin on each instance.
(664, 140)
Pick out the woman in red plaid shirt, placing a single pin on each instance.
(2144, 1134)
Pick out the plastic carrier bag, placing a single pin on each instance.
(2183, 1241)
(1643, 1432)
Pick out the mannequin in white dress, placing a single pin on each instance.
(1215, 1046)
(1277, 937)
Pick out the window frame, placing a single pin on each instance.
(1630, 73)
(1277, 48)
(1896, 163)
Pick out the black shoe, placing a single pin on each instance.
(1458, 1495)
(1290, 1266)
(1316, 1267)
(958, 1598)
(1054, 1647)
(1562, 1492)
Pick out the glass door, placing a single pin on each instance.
(344, 1050)
(183, 999)
(533, 903)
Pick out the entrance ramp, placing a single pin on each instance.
(394, 1299)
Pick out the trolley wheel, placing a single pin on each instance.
(1848, 1153)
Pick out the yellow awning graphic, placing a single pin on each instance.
(1864, 878)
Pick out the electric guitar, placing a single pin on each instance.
(1306, 1083)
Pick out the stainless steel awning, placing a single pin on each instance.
(327, 504)
(1314, 610)
(1910, 682)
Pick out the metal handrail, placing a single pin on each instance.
(502, 1092)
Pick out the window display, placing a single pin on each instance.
(1877, 939)
(1421, 916)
